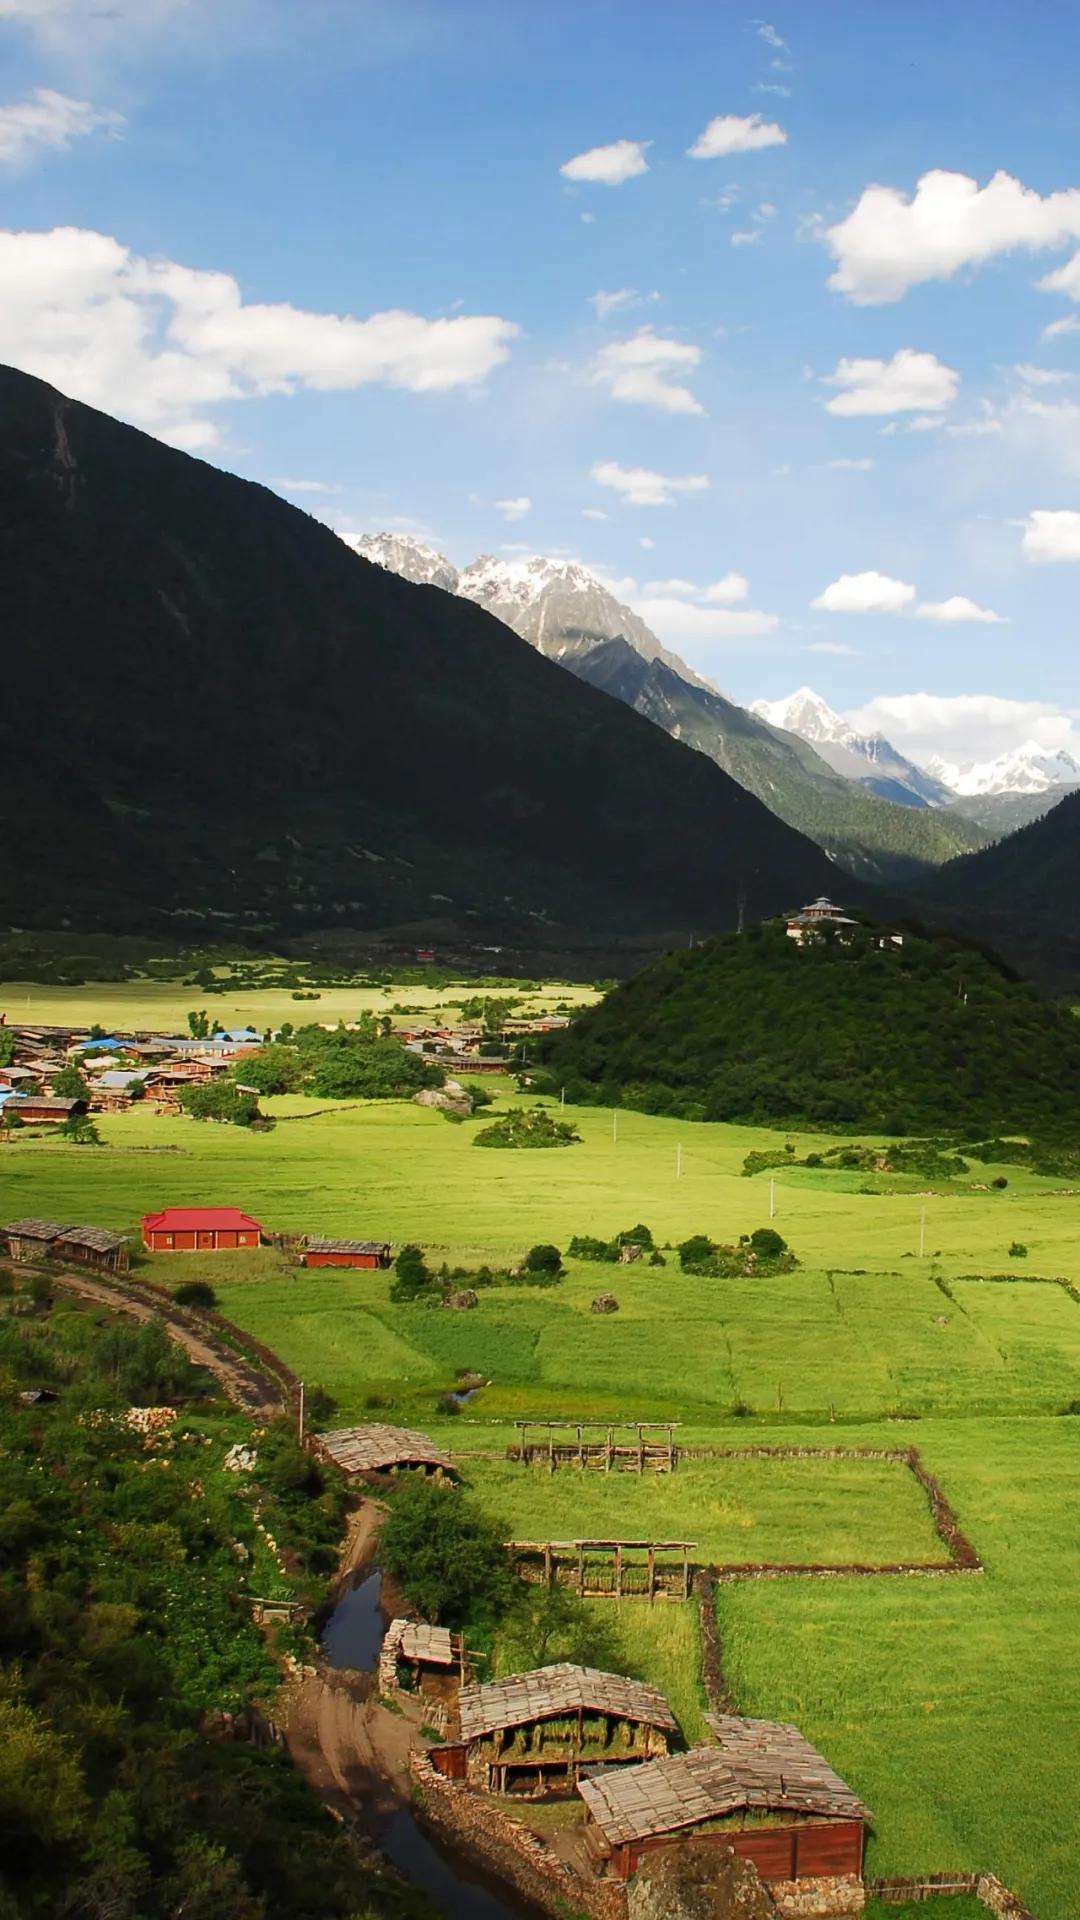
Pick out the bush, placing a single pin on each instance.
(219, 1100)
(447, 1555)
(694, 1252)
(1000, 1183)
(767, 1243)
(412, 1276)
(543, 1259)
(81, 1131)
(195, 1293)
(1017, 1250)
(528, 1127)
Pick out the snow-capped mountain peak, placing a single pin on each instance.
(413, 559)
(1030, 768)
(807, 714)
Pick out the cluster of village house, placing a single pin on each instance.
(755, 1786)
(120, 1068)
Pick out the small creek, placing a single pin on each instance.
(352, 1638)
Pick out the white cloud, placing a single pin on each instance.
(910, 382)
(765, 211)
(1040, 376)
(646, 543)
(747, 237)
(773, 86)
(733, 586)
(865, 593)
(1051, 535)
(677, 621)
(767, 32)
(157, 342)
(607, 303)
(594, 513)
(891, 242)
(836, 647)
(47, 121)
(636, 370)
(955, 611)
(851, 466)
(668, 589)
(1070, 324)
(1064, 279)
(642, 487)
(736, 133)
(608, 166)
(515, 509)
(299, 486)
(966, 727)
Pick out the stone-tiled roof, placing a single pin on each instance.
(550, 1691)
(759, 1764)
(373, 1448)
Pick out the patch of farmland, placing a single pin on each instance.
(950, 1705)
(799, 1511)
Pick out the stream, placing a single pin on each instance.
(352, 1638)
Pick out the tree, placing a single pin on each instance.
(80, 1131)
(549, 1623)
(343, 1064)
(695, 1251)
(7, 1046)
(543, 1258)
(412, 1276)
(195, 1293)
(448, 1556)
(219, 1100)
(69, 1084)
(527, 1127)
(767, 1243)
(274, 1069)
(198, 1024)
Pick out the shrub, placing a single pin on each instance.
(767, 1243)
(195, 1293)
(527, 1127)
(412, 1276)
(1000, 1183)
(81, 1131)
(1017, 1250)
(694, 1252)
(543, 1259)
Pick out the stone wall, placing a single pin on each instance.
(510, 1850)
(819, 1898)
(998, 1899)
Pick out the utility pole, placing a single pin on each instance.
(562, 1096)
(772, 1199)
(615, 1127)
(922, 1233)
(300, 1428)
(678, 1162)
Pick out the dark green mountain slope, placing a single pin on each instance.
(871, 837)
(215, 715)
(1033, 872)
(931, 1036)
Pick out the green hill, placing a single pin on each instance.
(933, 1036)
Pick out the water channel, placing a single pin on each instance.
(352, 1638)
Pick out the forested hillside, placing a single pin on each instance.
(932, 1035)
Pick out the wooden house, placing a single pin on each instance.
(532, 1733)
(381, 1449)
(48, 1240)
(40, 1109)
(762, 1790)
(199, 1230)
(366, 1254)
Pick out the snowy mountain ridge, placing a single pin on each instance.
(869, 758)
(1026, 769)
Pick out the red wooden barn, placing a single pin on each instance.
(199, 1230)
(369, 1254)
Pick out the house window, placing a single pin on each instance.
(170, 1240)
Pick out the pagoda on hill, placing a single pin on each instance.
(820, 917)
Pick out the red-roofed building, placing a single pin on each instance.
(199, 1230)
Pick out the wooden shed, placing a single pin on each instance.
(367, 1254)
(532, 1733)
(199, 1230)
(40, 1109)
(422, 1657)
(762, 1790)
(31, 1239)
(93, 1247)
(381, 1449)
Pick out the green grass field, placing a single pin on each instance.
(950, 1704)
(163, 1005)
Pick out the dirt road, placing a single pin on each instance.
(243, 1383)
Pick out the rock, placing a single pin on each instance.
(446, 1102)
(604, 1303)
(240, 1459)
(463, 1300)
(698, 1882)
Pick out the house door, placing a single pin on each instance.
(204, 1238)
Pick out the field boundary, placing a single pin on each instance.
(998, 1899)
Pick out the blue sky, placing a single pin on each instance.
(207, 205)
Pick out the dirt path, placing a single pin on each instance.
(241, 1381)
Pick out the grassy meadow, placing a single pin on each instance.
(951, 1703)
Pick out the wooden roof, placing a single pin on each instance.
(759, 1764)
(34, 1229)
(370, 1449)
(347, 1246)
(550, 1691)
(99, 1239)
(416, 1640)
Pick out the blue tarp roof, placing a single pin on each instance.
(102, 1046)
